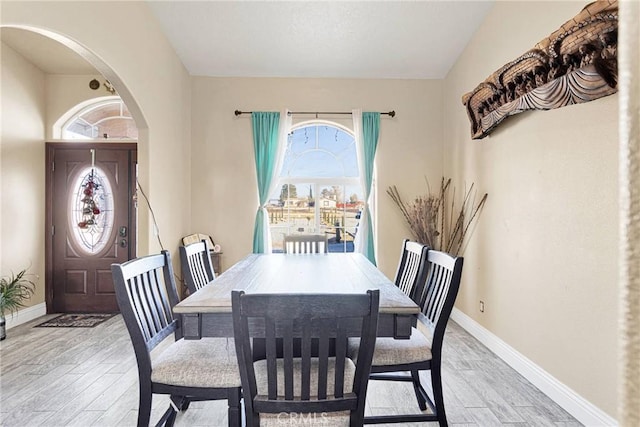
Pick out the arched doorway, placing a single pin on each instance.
(40, 237)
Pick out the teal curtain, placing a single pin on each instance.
(370, 132)
(265, 145)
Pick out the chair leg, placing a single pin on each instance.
(234, 412)
(144, 406)
(438, 397)
(168, 418)
(417, 388)
(181, 402)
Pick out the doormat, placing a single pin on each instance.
(76, 320)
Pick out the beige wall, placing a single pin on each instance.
(224, 190)
(64, 92)
(544, 256)
(22, 169)
(152, 81)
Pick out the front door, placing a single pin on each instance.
(91, 215)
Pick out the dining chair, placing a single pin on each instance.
(302, 372)
(306, 244)
(195, 262)
(187, 370)
(412, 269)
(392, 358)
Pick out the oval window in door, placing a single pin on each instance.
(91, 210)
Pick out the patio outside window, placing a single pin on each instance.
(319, 191)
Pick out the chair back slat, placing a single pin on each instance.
(305, 371)
(440, 292)
(323, 361)
(412, 270)
(305, 349)
(197, 268)
(147, 280)
(147, 302)
(272, 367)
(287, 353)
(146, 293)
(341, 356)
(306, 244)
(159, 308)
(136, 301)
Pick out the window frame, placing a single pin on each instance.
(77, 113)
(319, 182)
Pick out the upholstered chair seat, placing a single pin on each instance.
(207, 363)
(390, 351)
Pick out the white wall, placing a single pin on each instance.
(224, 194)
(22, 170)
(544, 255)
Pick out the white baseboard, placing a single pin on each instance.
(581, 409)
(26, 315)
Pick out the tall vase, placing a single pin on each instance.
(3, 331)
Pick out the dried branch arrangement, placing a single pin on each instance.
(435, 221)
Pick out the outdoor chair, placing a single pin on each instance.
(295, 374)
(197, 269)
(306, 244)
(193, 370)
(423, 350)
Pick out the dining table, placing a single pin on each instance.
(207, 312)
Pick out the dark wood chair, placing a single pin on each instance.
(205, 369)
(306, 244)
(412, 269)
(423, 351)
(197, 269)
(302, 371)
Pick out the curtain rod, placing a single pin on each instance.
(391, 113)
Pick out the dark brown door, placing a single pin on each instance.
(92, 220)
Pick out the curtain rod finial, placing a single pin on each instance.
(392, 113)
(237, 112)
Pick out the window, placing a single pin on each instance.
(91, 232)
(108, 118)
(319, 187)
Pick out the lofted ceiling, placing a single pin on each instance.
(335, 39)
(342, 39)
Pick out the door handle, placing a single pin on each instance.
(123, 243)
(122, 231)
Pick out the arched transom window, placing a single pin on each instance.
(319, 190)
(104, 119)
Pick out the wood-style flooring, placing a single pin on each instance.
(88, 377)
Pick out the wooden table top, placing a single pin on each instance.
(298, 273)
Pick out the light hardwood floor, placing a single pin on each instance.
(88, 377)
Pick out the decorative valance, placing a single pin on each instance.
(575, 64)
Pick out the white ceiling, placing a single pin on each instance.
(342, 39)
(348, 39)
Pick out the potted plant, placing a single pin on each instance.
(14, 290)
